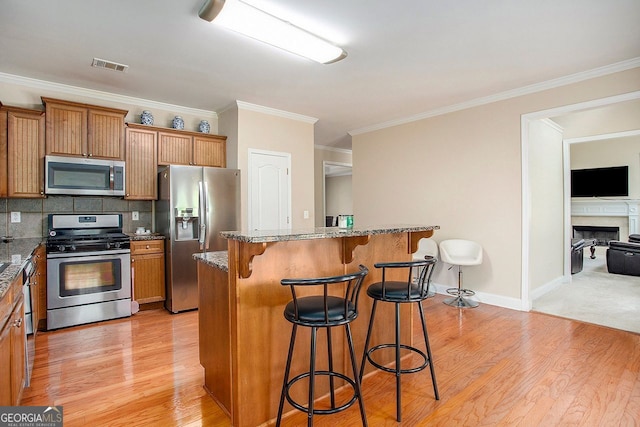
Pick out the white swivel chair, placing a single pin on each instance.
(458, 252)
(426, 247)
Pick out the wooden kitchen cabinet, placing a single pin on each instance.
(12, 344)
(178, 147)
(3, 153)
(39, 289)
(75, 129)
(147, 270)
(22, 138)
(141, 160)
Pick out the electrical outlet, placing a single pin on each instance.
(15, 217)
(135, 216)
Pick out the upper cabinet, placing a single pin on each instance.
(179, 147)
(75, 129)
(21, 152)
(141, 174)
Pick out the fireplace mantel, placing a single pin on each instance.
(608, 207)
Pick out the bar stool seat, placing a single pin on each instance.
(323, 311)
(401, 292)
(460, 252)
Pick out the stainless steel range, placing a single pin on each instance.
(88, 269)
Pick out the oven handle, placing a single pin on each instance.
(111, 177)
(89, 253)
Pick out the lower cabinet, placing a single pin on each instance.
(12, 345)
(147, 270)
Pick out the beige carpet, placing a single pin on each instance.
(596, 296)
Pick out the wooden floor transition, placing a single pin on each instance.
(495, 367)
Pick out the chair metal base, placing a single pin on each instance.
(460, 302)
(459, 293)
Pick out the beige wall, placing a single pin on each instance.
(546, 212)
(263, 131)
(339, 195)
(462, 171)
(612, 152)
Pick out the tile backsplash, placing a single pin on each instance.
(34, 213)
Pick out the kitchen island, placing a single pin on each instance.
(244, 337)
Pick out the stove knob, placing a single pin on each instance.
(108, 245)
(73, 247)
(117, 245)
(61, 248)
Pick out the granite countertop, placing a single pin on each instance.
(16, 252)
(150, 236)
(261, 236)
(219, 259)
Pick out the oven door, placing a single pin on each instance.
(88, 277)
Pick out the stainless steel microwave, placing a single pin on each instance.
(84, 176)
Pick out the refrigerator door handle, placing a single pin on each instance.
(205, 223)
(203, 228)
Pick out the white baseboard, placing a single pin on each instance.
(486, 298)
(547, 287)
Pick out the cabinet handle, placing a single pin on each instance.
(18, 323)
(147, 246)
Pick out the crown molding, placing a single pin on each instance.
(333, 149)
(104, 96)
(526, 90)
(275, 112)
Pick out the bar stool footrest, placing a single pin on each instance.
(302, 408)
(460, 292)
(425, 359)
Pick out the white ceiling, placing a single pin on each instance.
(404, 58)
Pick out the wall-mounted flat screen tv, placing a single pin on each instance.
(600, 182)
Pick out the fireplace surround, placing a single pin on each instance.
(600, 212)
(602, 235)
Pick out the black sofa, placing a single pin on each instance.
(624, 257)
(577, 255)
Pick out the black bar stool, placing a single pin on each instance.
(323, 311)
(401, 292)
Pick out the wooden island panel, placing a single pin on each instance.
(244, 338)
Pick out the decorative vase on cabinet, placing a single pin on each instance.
(204, 126)
(178, 123)
(146, 118)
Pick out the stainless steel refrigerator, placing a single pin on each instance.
(194, 205)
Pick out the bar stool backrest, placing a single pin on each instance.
(414, 291)
(323, 307)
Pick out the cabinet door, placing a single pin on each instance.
(39, 290)
(148, 274)
(5, 364)
(17, 351)
(25, 154)
(174, 149)
(66, 129)
(105, 137)
(209, 151)
(3, 154)
(141, 160)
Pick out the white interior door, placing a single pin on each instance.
(269, 190)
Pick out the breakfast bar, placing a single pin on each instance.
(243, 335)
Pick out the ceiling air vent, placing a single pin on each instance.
(109, 65)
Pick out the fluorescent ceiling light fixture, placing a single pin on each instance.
(243, 18)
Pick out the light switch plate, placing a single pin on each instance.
(135, 216)
(15, 217)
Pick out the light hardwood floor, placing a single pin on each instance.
(494, 367)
